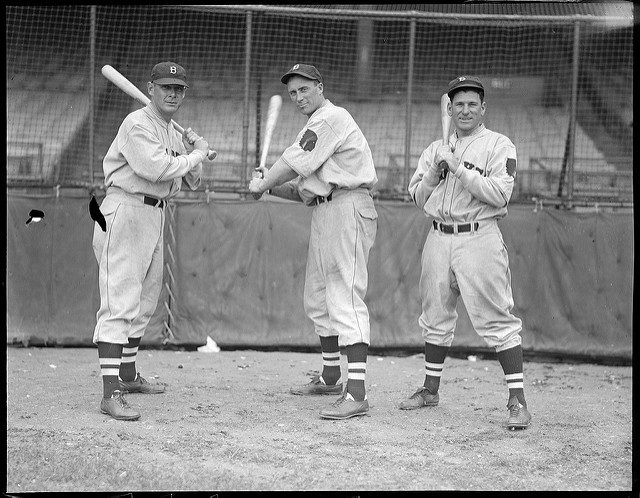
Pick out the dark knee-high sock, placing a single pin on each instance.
(511, 362)
(434, 357)
(330, 360)
(357, 361)
(129, 355)
(109, 356)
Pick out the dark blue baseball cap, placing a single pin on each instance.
(305, 70)
(169, 73)
(461, 82)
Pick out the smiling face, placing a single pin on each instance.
(467, 110)
(166, 99)
(305, 93)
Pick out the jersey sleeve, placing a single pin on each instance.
(313, 146)
(426, 177)
(151, 160)
(497, 186)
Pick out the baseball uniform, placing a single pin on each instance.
(144, 165)
(472, 260)
(336, 175)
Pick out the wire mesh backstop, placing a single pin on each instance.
(558, 84)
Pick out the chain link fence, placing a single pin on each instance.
(558, 84)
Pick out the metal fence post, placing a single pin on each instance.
(407, 138)
(571, 146)
(245, 114)
(92, 89)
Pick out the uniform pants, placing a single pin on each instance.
(130, 261)
(474, 266)
(343, 231)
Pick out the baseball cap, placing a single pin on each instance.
(306, 70)
(169, 73)
(464, 82)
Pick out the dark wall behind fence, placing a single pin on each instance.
(239, 274)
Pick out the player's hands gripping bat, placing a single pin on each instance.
(273, 111)
(133, 91)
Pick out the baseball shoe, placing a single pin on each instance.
(141, 385)
(519, 416)
(118, 408)
(345, 407)
(316, 387)
(420, 398)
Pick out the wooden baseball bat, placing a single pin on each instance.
(445, 121)
(273, 111)
(134, 92)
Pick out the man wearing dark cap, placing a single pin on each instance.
(464, 187)
(330, 168)
(143, 168)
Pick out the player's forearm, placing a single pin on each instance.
(279, 174)
(482, 188)
(286, 191)
(422, 186)
(194, 177)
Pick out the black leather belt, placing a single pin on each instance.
(462, 227)
(319, 200)
(152, 201)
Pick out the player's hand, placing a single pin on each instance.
(443, 153)
(189, 137)
(255, 187)
(260, 172)
(192, 140)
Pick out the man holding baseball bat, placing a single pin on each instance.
(143, 168)
(464, 185)
(330, 168)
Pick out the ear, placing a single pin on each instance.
(149, 88)
(483, 108)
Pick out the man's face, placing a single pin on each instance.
(467, 111)
(305, 93)
(167, 99)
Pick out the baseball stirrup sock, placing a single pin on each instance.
(129, 356)
(330, 360)
(511, 362)
(109, 357)
(434, 357)
(357, 365)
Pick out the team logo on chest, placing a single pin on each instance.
(308, 141)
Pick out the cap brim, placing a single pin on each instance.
(470, 86)
(170, 81)
(298, 73)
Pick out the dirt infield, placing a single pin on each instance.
(227, 422)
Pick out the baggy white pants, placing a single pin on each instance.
(474, 266)
(130, 261)
(343, 231)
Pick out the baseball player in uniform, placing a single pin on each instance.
(464, 187)
(143, 168)
(330, 168)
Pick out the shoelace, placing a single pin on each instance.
(418, 393)
(340, 400)
(142, 379)
(120, 399)
(514, 410)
